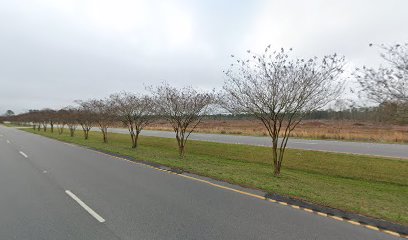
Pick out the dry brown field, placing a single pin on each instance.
(312, 129)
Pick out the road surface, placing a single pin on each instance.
(374, 149)
(52, 190)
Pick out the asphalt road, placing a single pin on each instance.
(133, 201)
(373, 149)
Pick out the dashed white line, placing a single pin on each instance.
(23, 154)
(8, 141)
(82, 204)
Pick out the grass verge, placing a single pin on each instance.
(372, 186)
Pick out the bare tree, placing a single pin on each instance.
(71, 119)
(104, 115)
(183, 108)
(134, 111)
(47, 118)
(37, 119)
(86, 117)
(44, 119)
(280, 91)
(34, 118)
(61, 120)
(388, 85)
(51, 118)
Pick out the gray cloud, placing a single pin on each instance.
(53, 52)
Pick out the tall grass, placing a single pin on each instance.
(331, 130)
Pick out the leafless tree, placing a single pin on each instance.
(104, 115)
(71, 118)
(134, 111)
(279, 91)
(44, 120)
(183, 108)
(47, 118)
(86, 117)
(387, 85)
(51, 118)
(61, 120)
(34, 118)
(38, 119)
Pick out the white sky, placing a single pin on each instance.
(55, 51)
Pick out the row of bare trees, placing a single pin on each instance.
(183, 108)
(273, 86)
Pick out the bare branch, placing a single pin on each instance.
(183, 108)
(280, 91)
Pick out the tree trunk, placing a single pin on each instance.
(276, 170)
(279, 166)
(86, 134)
(71, 132)
(180, 145)
(276, 165)
(105, 134)
(134, 139)
(181, 148)
(181, 151)
(52, 127)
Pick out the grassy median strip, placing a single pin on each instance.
(372, 186)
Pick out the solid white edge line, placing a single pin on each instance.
(86, 207)
(24, 155)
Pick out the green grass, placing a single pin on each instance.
(372, 186)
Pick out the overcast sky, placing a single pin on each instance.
(55, 51)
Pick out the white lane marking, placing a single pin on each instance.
(24, 155)
(45, 171)
(82, 204)
(8, 141)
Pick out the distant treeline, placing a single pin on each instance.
(352, 114)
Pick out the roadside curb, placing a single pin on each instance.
(353, 218)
